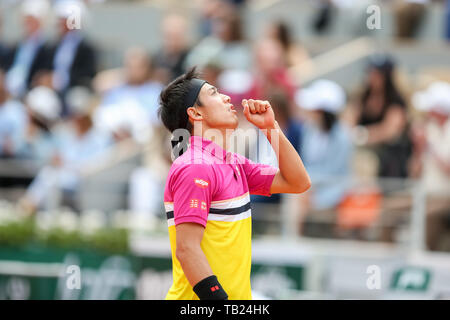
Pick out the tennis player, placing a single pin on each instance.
(207, 192)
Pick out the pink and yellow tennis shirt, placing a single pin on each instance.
(212, 187)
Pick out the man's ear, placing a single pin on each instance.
(194, 114)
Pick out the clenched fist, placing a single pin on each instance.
(259, 113)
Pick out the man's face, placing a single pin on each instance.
(217, 111)
(62, 26)
(137, 68)
(31, 25)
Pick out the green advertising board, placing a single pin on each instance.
(39, 272)
(411, 279)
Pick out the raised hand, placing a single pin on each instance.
(259, 113)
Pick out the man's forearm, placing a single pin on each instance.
(194, 264)
(200, 275)
(290, 164)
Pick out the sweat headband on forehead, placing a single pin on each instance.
(194, 90)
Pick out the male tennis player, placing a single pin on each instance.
(207, 193)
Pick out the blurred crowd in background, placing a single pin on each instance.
(59, 110)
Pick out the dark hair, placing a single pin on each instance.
(328, 120)
(172, 110)
(280, 103)
(40, 123)
(283, 34)
(385, 66)
(233, 23)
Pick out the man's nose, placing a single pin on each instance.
(226, 98)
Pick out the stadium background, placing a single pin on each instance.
(94, 199)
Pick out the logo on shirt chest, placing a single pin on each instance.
(201, 183)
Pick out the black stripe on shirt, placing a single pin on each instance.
(230, 211)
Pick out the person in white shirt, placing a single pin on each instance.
(13, 120)
(432, 139)
(78, 145)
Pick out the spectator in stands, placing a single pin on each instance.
(74, 58)
(270, 71)
(13, 120)
(32, 54)
(146, 184)
(432, 139)
(134, 103)
(139, 84)
(380, 119)
(209, 10)
(326, 146)
(295, 55)
(44, 110)
(5, 50)
(409, 16)
(169, 60)
(78, 147)
(225, 47)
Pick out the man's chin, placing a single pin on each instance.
(231, 125)
(235, 124)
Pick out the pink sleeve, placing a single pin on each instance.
(192, 188)
(259, 177)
